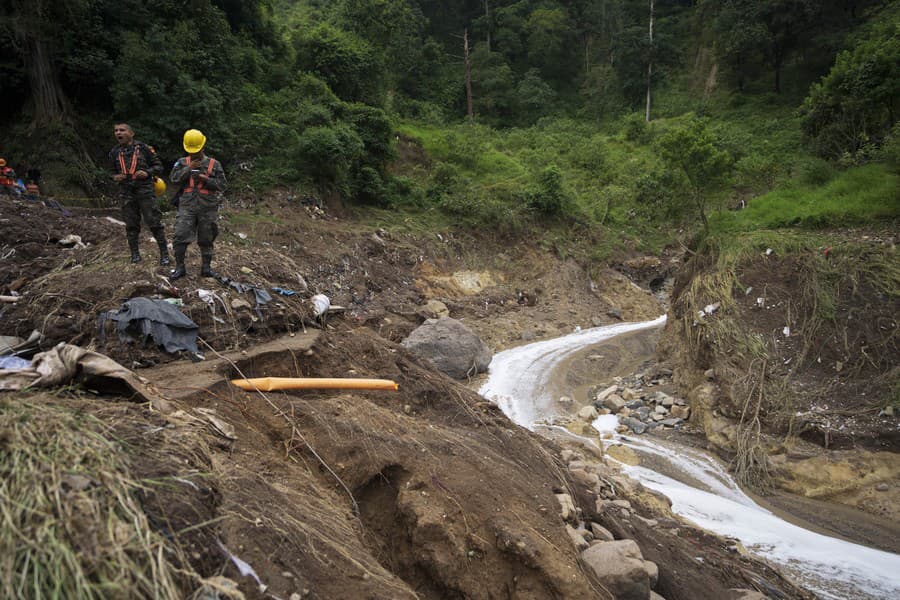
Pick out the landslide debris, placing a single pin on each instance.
(786, 346)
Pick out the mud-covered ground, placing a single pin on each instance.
(428, 492)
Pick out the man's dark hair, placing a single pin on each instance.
(130, 128)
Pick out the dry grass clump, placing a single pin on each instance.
(70, 524)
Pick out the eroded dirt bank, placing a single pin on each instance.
(789, 357)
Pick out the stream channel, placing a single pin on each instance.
(526, 383)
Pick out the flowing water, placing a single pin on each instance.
(526, 382)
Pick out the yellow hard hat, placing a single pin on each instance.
(159, 186)
(194, 141)
(2, 162)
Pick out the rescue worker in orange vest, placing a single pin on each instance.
(201, 180)
(7, 178)
(134, 165)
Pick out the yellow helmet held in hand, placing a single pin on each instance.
(2, 162)
(159, 186)
(194, 140)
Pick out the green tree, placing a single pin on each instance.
(692, 150)
(856, 103)
(349, 64)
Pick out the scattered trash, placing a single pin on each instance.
(760, 302)
(246, 270)
(243, 568)
(711, 308)
(786, 331)
(321, 303)
(168, 289)
(769, 251)
(143, 318)
(115, 221)
(301, 283)
(73, 241)
(243, 236)
(748, 290)
(210, 298)
(174, 301)
(577, 329)
(14, 362)
(66, 363)
(284, 292)
(239, 303)
(221, 427)
(16, 346)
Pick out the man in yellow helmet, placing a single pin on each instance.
(134, 165)
(202, 183)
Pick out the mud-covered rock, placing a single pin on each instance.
(619, 566)
(452, 347)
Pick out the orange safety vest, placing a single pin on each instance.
(198, 186)
(134, 160)
(5, 179)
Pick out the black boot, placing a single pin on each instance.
(163, 254)
(206, 269)
(179, 271)
(135, 250)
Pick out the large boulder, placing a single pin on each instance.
(621, 569)
(452, 347)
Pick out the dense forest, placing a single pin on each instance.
(318, 94)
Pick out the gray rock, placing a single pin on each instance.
(615, 313)
(528, 335)
(882, 487)
(655, 596)
(583, 477)
(709, 374)
(657, 417)
(588, 413)
(619, 566)
(643, 413)
(628, 394)
(452, 347)
(680, 412)
(634, 404)
(634, 425)
(601, 396)
(567, 455)
(566, 507)
(670, 422)
(565, 400)
(667, 401)
(576, 537)
(652, 572)
(433, 309)
(660, 409)
(614, 403)
(601, 533)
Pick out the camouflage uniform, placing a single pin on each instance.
(136, 197)
(198, 208)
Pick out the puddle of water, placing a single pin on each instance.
(521, 382)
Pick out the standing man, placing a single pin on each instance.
(201, 180)
(134, 165)
(7, 178)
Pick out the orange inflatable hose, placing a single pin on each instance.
(269, 384)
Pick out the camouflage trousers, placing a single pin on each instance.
(197, 220)
(137, 206)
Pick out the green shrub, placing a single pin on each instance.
(635, 129)
(815, 171)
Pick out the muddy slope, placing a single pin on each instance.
(789, 359)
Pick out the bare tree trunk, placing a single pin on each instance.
(650, 67)
(470, 113)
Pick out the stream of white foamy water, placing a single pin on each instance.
(701, 490)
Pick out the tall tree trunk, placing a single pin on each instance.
(470, 113)
(30, 38)
(650, 67)
(48, 101)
